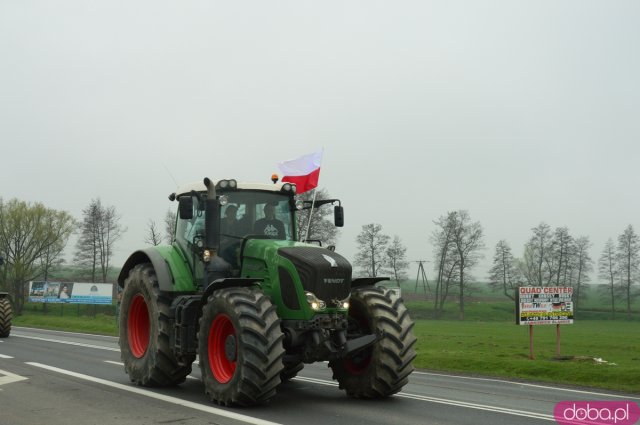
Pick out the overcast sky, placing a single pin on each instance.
(517, 111)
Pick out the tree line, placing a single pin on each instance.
(33, 239)
(557, 258)
(551, 257)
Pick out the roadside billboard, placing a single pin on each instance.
(70, 292)
(549, 305)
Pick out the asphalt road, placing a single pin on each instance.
(61, 378)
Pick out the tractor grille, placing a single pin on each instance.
(323, 272)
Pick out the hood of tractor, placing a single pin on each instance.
(324, 273)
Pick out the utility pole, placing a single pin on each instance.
(422, 274)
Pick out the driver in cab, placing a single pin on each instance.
(269, 225)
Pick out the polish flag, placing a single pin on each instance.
(304, 171)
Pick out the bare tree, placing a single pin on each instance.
(321, 227)
(504, 274)
(397, 259)
(559, 259)
(583, 266)
(372, 245)
(629, 262)
(86, 254)
(110, 233)
(170, 225)
(445, 262)
(609, 270)
(153, 235)
(32, 237)
(99, 231)
(468, 241)
(536, 256)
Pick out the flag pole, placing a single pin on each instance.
(313, 202)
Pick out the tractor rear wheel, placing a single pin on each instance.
(382, 369)
(240, 347)
(145, 332)
(6, 315)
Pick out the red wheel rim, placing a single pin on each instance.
(138, 326)
(222, 348)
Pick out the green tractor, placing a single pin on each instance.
(254, 304)
(6, 313)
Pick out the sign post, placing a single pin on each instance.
(549, 305)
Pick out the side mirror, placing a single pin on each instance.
(185, 207)
(338, 214)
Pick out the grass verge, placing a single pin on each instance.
(599, 354)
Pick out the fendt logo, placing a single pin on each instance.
(328, 280)
(330, 260)
(596, 412)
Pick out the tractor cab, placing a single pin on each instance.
(217, 223)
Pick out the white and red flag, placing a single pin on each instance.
(304, 171)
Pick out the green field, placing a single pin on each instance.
(596, 351)
(501, 349)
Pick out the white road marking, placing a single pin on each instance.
(122, 364)
(478, 406)
(9, 377)
(162, 397)
(446, 401)
(65, 332)
(546, 387)
(3, 356)
(78, 344)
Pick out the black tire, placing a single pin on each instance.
(145, 332)
(290, 371)
(240, 347)
(6, 315)
(384, 368)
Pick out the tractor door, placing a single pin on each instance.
(190, 238)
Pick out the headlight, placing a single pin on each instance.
(314, 302)
(206, 256)
(223, 200)
(343, 304)
(299, 204)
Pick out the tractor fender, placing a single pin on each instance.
(367, 281)
(170, 270)
(229, 283)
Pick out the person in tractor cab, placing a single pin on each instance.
(269, 225)
(229, 223)
(230, 230)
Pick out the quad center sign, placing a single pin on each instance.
(549, 305)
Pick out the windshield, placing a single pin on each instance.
(268, 214)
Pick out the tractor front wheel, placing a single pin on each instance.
(382, 369)
(240, 347)
(145, 332)
(6, 315)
